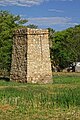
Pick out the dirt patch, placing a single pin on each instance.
(6, 107)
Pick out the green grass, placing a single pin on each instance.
(66, 79)
(57, 101)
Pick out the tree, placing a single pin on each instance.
(32, 26)
(51, 41)
(8, 22)
(66, 46)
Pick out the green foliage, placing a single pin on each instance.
(8, 22)
(32, 26)
(65, 46)
(51, 41)
(22, 21)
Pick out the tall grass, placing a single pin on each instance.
(26, 98)
(40, 96)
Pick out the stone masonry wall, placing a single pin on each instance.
(19, 56)
(31, 57)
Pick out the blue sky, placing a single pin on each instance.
(56, 14)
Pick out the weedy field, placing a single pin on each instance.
(57, 101)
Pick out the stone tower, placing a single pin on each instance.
(31, 56)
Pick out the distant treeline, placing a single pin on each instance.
(65, 46)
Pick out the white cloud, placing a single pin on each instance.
(47, 21)
(24, 2)
(72, 23)
(21, 2)
(55, 10)
(64, 0)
